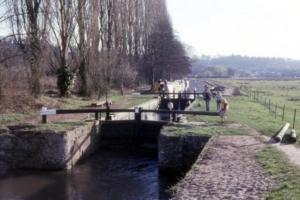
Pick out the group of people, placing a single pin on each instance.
(222, 103)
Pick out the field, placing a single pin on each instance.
(283, 93)
(247, 111)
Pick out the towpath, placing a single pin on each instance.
(227, 169)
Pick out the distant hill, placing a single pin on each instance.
(240, 66)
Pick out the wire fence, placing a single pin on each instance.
(279, 111)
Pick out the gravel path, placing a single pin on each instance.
(228, 170)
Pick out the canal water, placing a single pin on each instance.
(107, 175)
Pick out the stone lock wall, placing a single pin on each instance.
(47, 149)
(178, 153)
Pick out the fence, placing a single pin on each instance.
(278, 111)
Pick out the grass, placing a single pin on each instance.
(13, 117)
(210, 129)
(286, 175)
(254, 115)
(280, 92)
(58, 126)
(244, 111)
(73, 102)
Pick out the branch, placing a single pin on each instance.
(9, 57)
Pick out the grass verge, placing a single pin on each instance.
(58, 126)
(286, 175)
(243, 111)
(13, 117)
(208, 129)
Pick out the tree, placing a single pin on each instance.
(29, 25)
(166, 57)
(62, 29)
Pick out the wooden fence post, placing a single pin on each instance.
(294, 121)
(283, 112)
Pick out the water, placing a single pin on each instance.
(107, 175)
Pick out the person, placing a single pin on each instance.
(223, 109)
(218, 100)
(156, 86)
(162, 85)
(207, 97)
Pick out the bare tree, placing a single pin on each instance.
(62, 32)
(29, 27)
(107, 43)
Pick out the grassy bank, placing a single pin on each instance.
(73, 102)
(281, 92)
(58, 126)
(286, 175)
(243, 110)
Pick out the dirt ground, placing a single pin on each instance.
(228, 170)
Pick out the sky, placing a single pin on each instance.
(269, 28)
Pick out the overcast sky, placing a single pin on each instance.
(248, 27)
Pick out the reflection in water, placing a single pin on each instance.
(106, 175)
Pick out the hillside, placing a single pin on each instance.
(244, 66)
